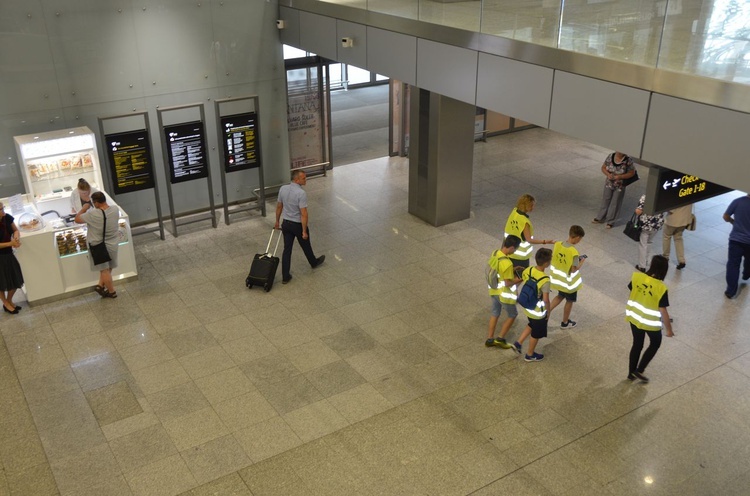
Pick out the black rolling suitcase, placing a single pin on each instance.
(263, 269)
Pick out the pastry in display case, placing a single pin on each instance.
(29, 221)
(71, 241)
(53, 162)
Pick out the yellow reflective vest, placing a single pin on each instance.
(503, 269)
(540, 311)
(642, 309)
(560, 276)
(516, 223)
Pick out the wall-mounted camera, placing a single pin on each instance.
(280, 24)
(347, 42)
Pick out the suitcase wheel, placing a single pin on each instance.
(267, 287)
(249, 286)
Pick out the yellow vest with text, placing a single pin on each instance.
(500, 263)
(515, 225)
(642, 309)
(540, 311)
(560, 276)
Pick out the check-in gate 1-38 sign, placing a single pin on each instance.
(675, 189)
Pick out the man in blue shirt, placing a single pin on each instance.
(291, 207)
(738, 214)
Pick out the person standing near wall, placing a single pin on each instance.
(738, 214)
(291, 207)
(617, 167)
(677, 221)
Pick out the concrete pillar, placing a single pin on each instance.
(441, 151)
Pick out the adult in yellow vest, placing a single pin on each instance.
(501, 282)
(519, 224)
(646, 312)
(565, 275)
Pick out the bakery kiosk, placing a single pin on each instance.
(53, 253)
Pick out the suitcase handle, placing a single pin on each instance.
(268, 246)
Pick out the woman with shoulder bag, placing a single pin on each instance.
(619, 170)
(650, 225)
(101, 227)
(11, 277)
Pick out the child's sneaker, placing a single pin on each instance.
(534, 357)
(498, 342)
(516, 347)
(502, 343)
(570, 324)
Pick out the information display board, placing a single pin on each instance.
(130, 162)
(675, 189)
(186, 150)
(240, 141)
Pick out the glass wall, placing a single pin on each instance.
(704, 37)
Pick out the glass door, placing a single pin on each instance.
(309, 114)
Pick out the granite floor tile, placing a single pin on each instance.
(177, 401)
(195, 428)
(216, 459)
(112, 403)
(142, 447)
(267, 439)
(224, 385)
(167, 476)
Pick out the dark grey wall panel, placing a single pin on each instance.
(356, 55)
(317, 34)
(706, 141)
(392, 54)
(290, 34)
(448, 70)
(515, 88)
(607, 114)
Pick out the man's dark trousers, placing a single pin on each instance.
(292, 230)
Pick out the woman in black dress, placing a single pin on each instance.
(11, 277)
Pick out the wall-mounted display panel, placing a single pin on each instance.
(186, 151)
(240, 141)
(130, 163)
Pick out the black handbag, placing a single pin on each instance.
(627, 182)
(99, 252)
(633, 228)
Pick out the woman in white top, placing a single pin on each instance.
(81, 195)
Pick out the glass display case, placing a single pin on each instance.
(72, 241)
(53, 162)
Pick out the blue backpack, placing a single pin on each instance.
(529, 295)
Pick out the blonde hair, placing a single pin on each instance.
(525, 202)
(83, 185)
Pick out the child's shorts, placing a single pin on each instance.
(538, 328)
(497, 307)
(568, 296)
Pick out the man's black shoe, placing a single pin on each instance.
(284, 281)
(319, 261)
(681, 266)
(728, 295)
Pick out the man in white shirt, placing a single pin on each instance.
(291, 207)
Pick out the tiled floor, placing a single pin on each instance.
(369, 375)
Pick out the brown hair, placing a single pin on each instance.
(525, 202)
(83, 185)
(576, 232)
(542, 256)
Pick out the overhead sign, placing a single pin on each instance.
(675, 189)
(240, 141)
(186, 149)
(130, 162)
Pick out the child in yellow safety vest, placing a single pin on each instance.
(565, 276)
(538, 317)
(501, 282)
